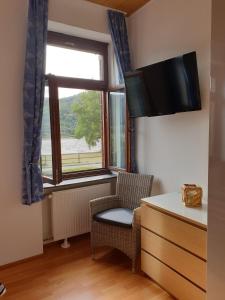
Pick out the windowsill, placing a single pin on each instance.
(78, 182)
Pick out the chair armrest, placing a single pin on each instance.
(103, 203)
(137, 217)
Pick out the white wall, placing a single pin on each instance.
(79, 13)
(173, 148)
(20, 226)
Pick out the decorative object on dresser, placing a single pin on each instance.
(192, 195)
(173, 245)
(115, 220)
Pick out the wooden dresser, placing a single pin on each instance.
(173, 242)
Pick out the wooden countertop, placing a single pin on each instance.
(172, 203)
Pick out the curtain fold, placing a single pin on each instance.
(118, 31)
(33, 99)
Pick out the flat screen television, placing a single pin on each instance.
(163, 88)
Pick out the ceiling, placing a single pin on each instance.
(128, 6)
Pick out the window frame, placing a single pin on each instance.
(55, 82)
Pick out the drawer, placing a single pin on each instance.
(175, 284)
(179, 232)
(180, 260)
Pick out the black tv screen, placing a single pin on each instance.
(137, 94)
(167, 87)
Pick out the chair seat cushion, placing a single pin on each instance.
(116, 216)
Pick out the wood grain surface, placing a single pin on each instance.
(71, 274)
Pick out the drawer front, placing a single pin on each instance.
(181, 233)
(169, 279)
(180, 260)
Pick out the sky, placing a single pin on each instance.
(72, 63)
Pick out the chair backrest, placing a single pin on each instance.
(131, 188)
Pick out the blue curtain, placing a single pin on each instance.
(118, 30)
(33, 98)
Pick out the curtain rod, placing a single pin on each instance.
(121, 11)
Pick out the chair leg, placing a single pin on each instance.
(92, 252)
(92, 248)
(134, 266)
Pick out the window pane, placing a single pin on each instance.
(115, 77)
(81, 129)
(46, 149)
(73, 63)
(117, 127)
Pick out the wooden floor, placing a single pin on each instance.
(71, 274)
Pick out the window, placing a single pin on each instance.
(118, 134)
(84, 130)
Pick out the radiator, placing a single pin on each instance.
(70, 210)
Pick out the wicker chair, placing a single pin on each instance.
(130, 189)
